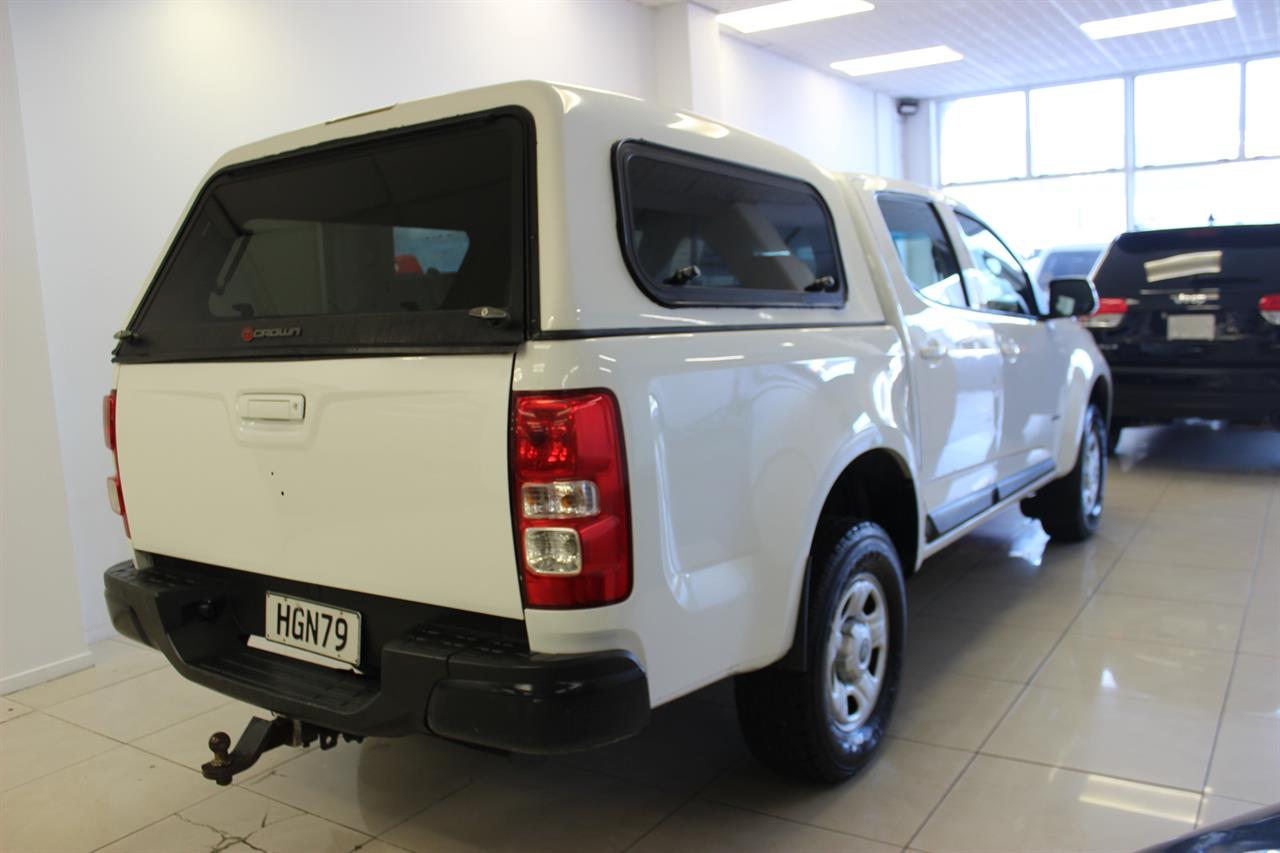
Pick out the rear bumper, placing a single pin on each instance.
(476, 687)
(1166, 393)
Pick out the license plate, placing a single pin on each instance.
(319, 628)
(1191, 327)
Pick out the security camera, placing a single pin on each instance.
(908, 106)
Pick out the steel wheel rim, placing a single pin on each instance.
(857, 652)
(1091, 473)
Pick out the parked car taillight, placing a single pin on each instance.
(115, 491)
(1109, 315)
(569, 487)
(1269, 306)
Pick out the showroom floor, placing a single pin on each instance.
(1096, 697)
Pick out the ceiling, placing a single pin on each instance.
(1012, 43)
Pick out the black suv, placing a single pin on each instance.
(1189, 319)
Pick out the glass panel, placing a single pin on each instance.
(1066, 263)
(1262, 108)
(1078, 128)
(1047, 212)
(926, 254)
(1222, 194)
(1235, 260)
(709, 232)
(1187, 116)
(984, 138)
(1001, 283)
(426, 224)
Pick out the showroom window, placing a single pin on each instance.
(1202, 140)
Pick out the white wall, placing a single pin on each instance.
(919, 142)
(127, 104)
(40, 630)
(833, 122)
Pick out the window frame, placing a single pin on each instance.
(1130, 169)
(675, 296)
(1037, 312)
(946, 235)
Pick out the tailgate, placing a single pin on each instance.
(1192, 297)
(383, 475)
(316, 384)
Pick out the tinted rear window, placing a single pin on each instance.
(1145, 260)
(701, 231)
(1066, 264)
(386, 245)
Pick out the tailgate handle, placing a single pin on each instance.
(271, 407)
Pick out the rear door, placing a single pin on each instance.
(956, 372)
(1033, 371)
(1191, 298)
(317, 384)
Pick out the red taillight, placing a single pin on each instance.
(569, 493)
(1269, 305)
(1109, 315)
(115, 491)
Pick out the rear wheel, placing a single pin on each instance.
(826, 721)
(1071, 507)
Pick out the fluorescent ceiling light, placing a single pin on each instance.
(789, 13)
(1165, 19)
(897, 61)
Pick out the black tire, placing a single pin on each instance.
(1062, 506)
(786, 715)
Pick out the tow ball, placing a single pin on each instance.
(260, 736)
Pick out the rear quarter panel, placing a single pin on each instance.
(733, 440)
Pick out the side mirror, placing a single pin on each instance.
(1072, 297)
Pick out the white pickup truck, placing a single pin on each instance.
(510, 415)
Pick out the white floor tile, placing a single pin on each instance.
(949, 709)
(139, 706)
(1183, 623)
(10, 709)
(239, 819)
(984, 649)
(1109, 734)
(705, 826)
(95, 802)
(113, 661)
(887, 801)
(36, 745)
(551, 808)
(1000, 805)
(375, 785)
(1176, 675)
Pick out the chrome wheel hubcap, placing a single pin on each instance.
(1091, 473)
(857, 652)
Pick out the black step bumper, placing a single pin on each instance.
(1154, 394)
(430, 677)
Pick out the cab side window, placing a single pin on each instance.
(926, 254)
(1000, 282)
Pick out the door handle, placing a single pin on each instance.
(271, 407)
(933, 349)
(1010, 349)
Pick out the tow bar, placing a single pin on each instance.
(258, 737)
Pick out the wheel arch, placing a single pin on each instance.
(876, 486)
